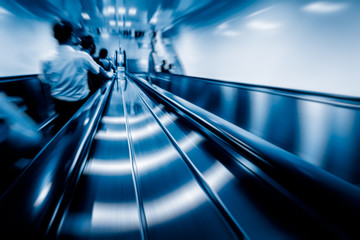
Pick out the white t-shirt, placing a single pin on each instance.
(66, 73)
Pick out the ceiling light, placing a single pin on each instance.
(109, 11)
(154, 20)
(263, 25)
(127, 24)
(85, 16)
(120, 24)
(324, 7)
(132, 11)
(122, 10)
(112, 22)
(105, 35)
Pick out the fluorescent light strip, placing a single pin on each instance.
(132, 11)
(122, 10)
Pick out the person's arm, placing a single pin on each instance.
(19, 132)
(96, 68)
(106, 74)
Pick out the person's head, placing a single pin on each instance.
(170, 66)
(103, 53)
(163, 62)
(88, 44)
(63, 31)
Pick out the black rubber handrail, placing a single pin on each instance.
(329, 198)
(18, 78)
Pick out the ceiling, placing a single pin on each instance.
(114, 15)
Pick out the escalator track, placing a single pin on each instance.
(149, 171)
(151, 175)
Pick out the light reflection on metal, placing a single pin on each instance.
(118, 217)
(86, 121)
(146, 163)
(145, 132)
(43, 194)
(115, 217)
(110, 135)
(134, 120)
(313, 146)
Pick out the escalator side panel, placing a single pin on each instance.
(251, 201)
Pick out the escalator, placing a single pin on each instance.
(136, 164)
(150, 175)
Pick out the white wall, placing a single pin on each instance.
(23, 43)
(293, 44)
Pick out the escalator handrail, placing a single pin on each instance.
(298, 180)
(31, 204)
(322, 97)
(17, 78)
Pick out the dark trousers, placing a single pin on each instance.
(65, 110)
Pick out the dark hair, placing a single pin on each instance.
(63, 31)
(103, 53)
(87, 42)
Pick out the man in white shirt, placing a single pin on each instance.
(66, 74)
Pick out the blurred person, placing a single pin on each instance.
(105, 61)
(19, 137)
(95, 81)
(163, 66)
(168, 69)
(88, 45)
(66, 74)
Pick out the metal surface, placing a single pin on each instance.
(306, 185)
(136, 184)
(152, 173)
(320, 128)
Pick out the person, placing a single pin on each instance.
(105, 61)
(94, 80)
(163, 66)
(169, 68)
(87, 44)
(164, 69)
(66, 74)
(19, 137)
